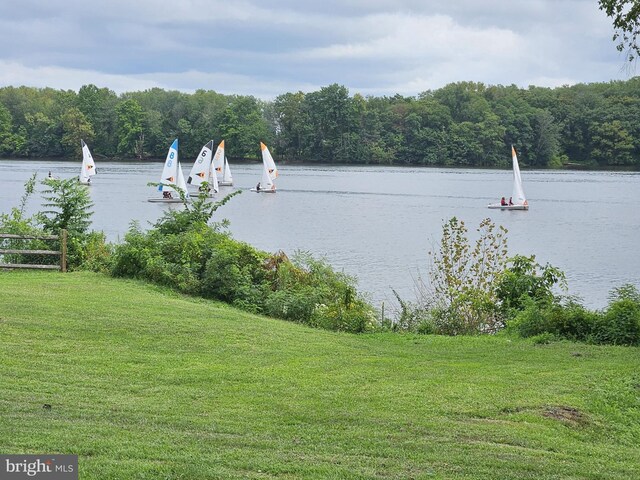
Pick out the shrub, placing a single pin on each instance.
(17, 223)
(69, 207)
(412, 317)
(295, 305)
(459, 298)
(470, 313)
(350, 316)
(620, 322)
(571, 321)
(131, 257)
(235, 273)
(184, 252)
(457, 269)
(310, 291)
(525, 280)
(193, 215)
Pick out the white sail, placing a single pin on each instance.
(88, 168)
(518, 193)
(266, 182)
(170, 170)
(267, 159)
(227, 178)
(181, 183)
(213, 180)
(218, 159)
(202, 166)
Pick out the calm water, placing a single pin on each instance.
(378, 223)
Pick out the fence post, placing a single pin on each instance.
(63, 250)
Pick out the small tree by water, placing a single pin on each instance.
(459, 294)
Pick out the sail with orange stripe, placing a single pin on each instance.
(88, 168)
(202, 170)
(268, 161)
(170, 169)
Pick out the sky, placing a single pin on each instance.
(271, 47)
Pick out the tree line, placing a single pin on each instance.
(461, 124)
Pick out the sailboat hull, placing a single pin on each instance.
(164, 200)
(508, 207)
(197, 195)
(225, 184)
(263, 191)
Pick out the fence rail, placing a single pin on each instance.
(62, 252)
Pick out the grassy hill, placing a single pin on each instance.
(144, 383)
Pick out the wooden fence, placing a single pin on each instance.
(62, 252)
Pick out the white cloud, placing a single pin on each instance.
(16, 74)
(403, 36)
(12, 73)
(274, 46)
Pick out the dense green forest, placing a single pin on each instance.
(461, 124)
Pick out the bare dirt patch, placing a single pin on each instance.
(564, 414)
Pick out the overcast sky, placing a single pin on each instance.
(269, 47)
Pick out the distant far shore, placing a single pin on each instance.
(248, 161)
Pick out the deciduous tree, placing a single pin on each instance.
(626, 22)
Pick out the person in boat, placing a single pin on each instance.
(510, 200)
(503, 202)
(50, 176)
(258, 187)
(166, 195)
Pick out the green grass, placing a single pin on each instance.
(144, 383)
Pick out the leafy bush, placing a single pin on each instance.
(317, 295)
(459, 297)
(131, 257)
(235, 273)
(184, 252)
(354, 317)
(194, 215)
(15, 222)
(570, 320)
(471, 313)
(457, 269)
(620, 322)
(297, 305)
(525, 280)
(412, 317)
(69, 207)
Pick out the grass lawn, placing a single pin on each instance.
(145, 383)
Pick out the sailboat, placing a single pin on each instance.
(227, 178)
(171, 177)
(269, 172)
(518, 201)
(203, 171)
(221, 166)
(88, 168)
(267, 159)
(266, 184)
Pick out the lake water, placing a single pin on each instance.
(378, 223)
